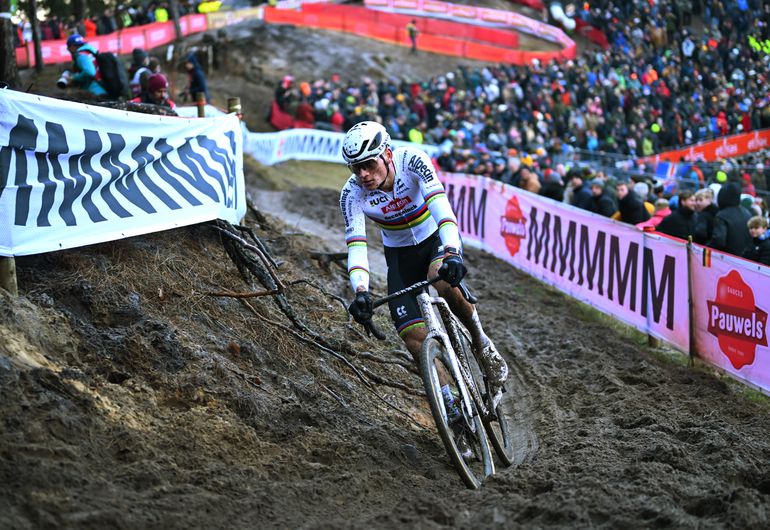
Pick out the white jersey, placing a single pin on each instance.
(408, 215)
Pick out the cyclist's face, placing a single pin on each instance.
(371, 173)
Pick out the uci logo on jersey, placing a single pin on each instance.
(377, 200)
(416, 165)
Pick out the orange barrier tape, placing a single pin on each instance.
(721, 148)
(439, 36)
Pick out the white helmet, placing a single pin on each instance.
(364, 141)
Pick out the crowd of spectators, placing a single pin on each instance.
(144, 80)
(661, 84)
(721, 215)
(676, 73)
(109, 21)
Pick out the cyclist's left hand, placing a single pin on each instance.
(361, 309)
(452, 269)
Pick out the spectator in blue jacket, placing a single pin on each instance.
(581, 192)
(85, 70)
(196, 79)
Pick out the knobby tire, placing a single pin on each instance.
(498, 429)
(433, 351)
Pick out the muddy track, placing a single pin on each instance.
(610, 432)
(123, 408)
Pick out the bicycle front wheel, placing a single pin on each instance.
(463, 434)
(497, 426)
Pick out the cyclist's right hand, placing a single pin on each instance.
(452, 270)
(362, 309)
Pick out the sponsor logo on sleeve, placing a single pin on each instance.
(418, 166)
(735, 320)
(513, 226)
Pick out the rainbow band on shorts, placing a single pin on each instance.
(412, 324)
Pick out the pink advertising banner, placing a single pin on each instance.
(121, 42)
(614, 267)
(731, 299)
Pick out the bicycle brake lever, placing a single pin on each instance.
(467, 294)
(371, 329)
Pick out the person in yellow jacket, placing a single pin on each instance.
(161, 13)
(415, 135)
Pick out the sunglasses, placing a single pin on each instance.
(368, 165)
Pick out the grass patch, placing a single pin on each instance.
(295, 174)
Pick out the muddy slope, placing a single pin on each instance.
(132, 398)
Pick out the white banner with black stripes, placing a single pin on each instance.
(297, 144)
(74, 174)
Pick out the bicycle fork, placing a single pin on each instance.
(426, 303)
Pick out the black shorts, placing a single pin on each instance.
(407, 266)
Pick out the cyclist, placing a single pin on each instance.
(401, 193)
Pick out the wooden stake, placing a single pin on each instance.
(200, 100)
(8, 275)
(234, 106)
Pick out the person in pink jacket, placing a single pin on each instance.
(662, 209)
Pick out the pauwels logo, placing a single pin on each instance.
(513, 225)
(734, 319)
(396, 204)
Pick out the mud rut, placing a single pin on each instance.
(121, 410)
(609, 433)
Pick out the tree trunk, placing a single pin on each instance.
(79, 10)
(9, 72)
(174, 8)
(36, 35)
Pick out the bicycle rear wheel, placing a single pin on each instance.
(498, 428)
(467, 428)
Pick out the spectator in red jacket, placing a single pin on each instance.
(90, 27)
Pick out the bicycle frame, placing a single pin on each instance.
(426, 304)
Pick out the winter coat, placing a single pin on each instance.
(582, 197)
(681, 223)
(603, 205)
(704, 225)
(759, 250)
(632, 210)
(552, 190)
(86, 70)
(197, 79)
(730, 231)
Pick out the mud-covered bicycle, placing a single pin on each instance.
(447, 355)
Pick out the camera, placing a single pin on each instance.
(63, 81)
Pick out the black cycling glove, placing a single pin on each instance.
(361, 309)
(452, 270)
